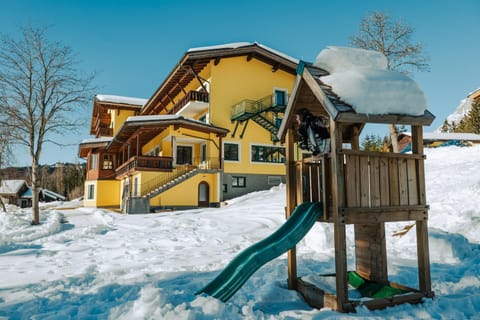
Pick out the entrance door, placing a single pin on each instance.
(203, 192)
(184, 154)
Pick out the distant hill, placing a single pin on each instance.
(64, 178)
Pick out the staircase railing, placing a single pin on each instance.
(157, 182)
(152, 184)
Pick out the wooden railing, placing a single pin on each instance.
(191, 96)
(105, 132)
(147, 163)
(313, 184)
(374, 179)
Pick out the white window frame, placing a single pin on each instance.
(239, 151)
(274, 99)
(265, 145)
(91, 185)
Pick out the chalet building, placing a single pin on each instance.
(11, 192)
(18, 193)
(206, 135)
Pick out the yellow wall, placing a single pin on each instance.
(179, 196)
(233, 80)
(119, 117)
(107, 193)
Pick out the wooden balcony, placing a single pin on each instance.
(144, 163)
(105, 132)
(189, 97)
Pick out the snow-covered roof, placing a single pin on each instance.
(236, 45)
(153, 118)
(53, 195)
(11, 186)
(96, 140)
(120, 99)
(361, 79)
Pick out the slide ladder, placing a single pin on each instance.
(239, 270)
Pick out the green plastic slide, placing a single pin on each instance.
(237, 272)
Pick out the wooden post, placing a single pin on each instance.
(337, 178)
(291, 204)
(423, 257)
(370, 244)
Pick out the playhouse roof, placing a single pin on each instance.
(196, 59)
(311, 92)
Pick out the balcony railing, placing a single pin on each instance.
(145, 163)
(191, 96)
(245, 109)
(105, 132)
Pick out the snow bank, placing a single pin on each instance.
(360, 77)
(87, 263)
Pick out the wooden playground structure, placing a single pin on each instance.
(362, 188)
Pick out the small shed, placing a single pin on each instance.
(362, 188)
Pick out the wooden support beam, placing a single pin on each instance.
(383, 214)
(291, 203)
(198, 78)
(424, 277)
(338, 187)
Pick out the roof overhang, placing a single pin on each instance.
(102, 103)
(147, 127)
(195, 60)
(89, 144)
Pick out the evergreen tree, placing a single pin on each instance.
(472, 122)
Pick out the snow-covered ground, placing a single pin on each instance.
(95, 264)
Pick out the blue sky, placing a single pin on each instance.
(133, 45)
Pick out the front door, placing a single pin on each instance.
(203, 191)
(184, 154)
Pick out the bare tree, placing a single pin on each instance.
(5, 155)
(42, 91)
(392, 38)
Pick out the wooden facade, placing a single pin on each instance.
(366, 189)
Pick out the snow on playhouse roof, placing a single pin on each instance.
(361, 79)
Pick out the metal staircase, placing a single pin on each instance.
(265, 112)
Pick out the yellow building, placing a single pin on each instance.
(206, 135)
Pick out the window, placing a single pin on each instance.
(230, 152)
(135, 187)
(225, 188)
(239, 182)
(91, 192)
(107, 162)
(94, 161)
(280, 97)
(203, 153)
(184, 155)
(268, 154)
